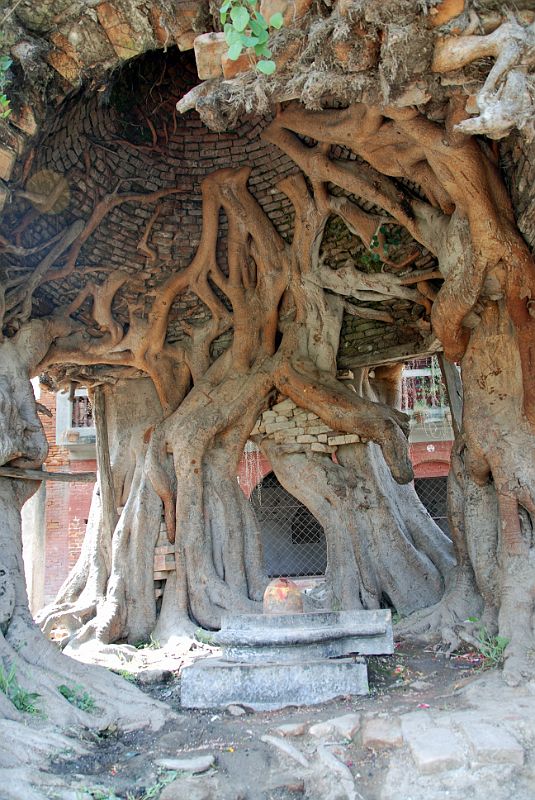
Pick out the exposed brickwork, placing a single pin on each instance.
(67, 506)
(286, 423)
(429, 463)
(94, 145)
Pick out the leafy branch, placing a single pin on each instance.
(245, 28)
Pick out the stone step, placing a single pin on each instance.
(253, 638)
(369, 622)
(214, 683)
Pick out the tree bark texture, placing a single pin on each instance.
(284, 306)
(36, 663)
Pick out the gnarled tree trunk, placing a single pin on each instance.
(382, 546)
(36, 663)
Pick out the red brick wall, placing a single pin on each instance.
(251, 468)
(67, 506)
(78, 511)
(430, 459)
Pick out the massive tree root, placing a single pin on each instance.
(482, 314)
(218, 563)
(382, 547)
(110, 592)
(26, 654)
(282, 306)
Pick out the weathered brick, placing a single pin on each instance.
(322, 448)
(314, 430)
(348, 438)
(271, 427)
(284, 406)
(209, 49)
(291, 10)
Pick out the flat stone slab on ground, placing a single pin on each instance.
(214, 683)
(492, 745)
(381, 732)
(292, 729)
(435, 749)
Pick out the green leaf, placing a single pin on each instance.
(257, 28)
(240, 17)
(266, 67)
(249, 41)
(234, 51)
(5, 63)
(225, 6)
(276, 20)
(232, 36)
(262, 50)
(263, 37)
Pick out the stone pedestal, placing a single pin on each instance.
(214, 683)
(278, 660)
(256, 638)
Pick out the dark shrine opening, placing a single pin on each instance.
(293, 540)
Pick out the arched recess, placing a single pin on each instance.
(293, 541)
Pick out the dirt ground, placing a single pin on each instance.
(123, 765)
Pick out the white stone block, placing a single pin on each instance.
(322, 448)
(285, 405)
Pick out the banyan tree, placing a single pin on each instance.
(194, 268)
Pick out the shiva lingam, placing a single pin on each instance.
(286, 656)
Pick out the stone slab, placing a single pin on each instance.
(345, 726)
(295, 654)
(436, 749)
(492, 745)
(255, 638)
(376, 621)
(194, 765)
(381, 732)
(213, 683)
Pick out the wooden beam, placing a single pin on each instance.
(41, 475)
(454, 389)
(398, 352)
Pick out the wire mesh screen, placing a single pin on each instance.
(293, 540)
(433, 492)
